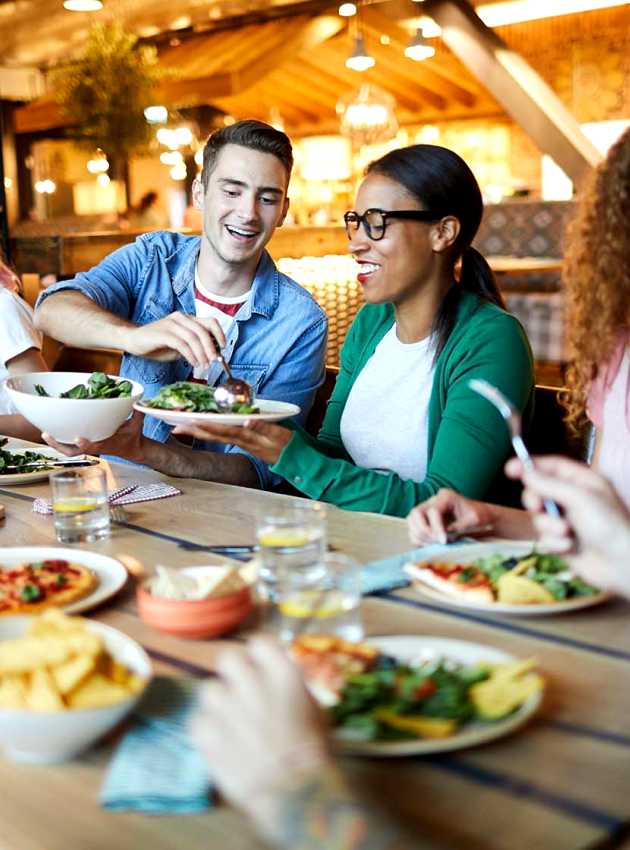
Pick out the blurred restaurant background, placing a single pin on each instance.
(105, 107)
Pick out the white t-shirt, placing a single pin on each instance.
(17, 334)
(224, 314)
(384, 425)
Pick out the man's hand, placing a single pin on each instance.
(177, 335)
(127, 442)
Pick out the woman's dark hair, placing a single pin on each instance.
(442, 182)
(255, 135)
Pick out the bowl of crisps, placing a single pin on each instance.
(64, 683)
(94, 407)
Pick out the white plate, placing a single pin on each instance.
(39, 475)
(270, 411)
(469, 552)
(416, 649)
(110, 573)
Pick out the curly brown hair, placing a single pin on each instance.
(596, 275)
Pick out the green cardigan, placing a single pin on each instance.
(468, 441)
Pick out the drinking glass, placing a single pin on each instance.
(324, 599)
(290, 537)
(80, 506)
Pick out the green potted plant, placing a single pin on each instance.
(104, 94)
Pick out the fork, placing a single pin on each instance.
(513, 420)
(118, 514)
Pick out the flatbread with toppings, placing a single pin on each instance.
(533, 578)
(32, 587)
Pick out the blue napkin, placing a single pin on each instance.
(388, 574)
(155, 768)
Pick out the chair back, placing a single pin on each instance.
(549, 433)
(71, 359)
(318, 410)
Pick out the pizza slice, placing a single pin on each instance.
(33, 587)
(465, 581)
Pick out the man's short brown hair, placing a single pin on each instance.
(255, 135)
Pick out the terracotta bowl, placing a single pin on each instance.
(204, 618)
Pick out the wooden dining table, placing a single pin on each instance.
(560, 783)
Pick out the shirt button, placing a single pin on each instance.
(297, 479)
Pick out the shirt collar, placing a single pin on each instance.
(265, 293)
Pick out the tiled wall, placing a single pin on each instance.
(524, 229)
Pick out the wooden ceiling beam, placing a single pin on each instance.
(516, 86)
(428, 71)
(196, 92)
(314, 33)
(407, 81)
(334, 55)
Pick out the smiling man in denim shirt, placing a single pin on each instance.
(170, 302)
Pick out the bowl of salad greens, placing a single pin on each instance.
(74, 405)
(186, 401)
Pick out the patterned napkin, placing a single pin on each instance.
(123, 496)
(388, 574)
(155, 768)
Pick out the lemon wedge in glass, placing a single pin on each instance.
(79, 505)
(284, 539)
(312, 603)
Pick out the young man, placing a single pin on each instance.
(170, 302)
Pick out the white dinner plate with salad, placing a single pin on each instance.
(484, 555)
(18, 447)
(109, 574)
(268, 411)
(416, 650)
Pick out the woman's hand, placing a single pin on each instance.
(259, 729)
(261, 439)
(448, 513)
(596, 525)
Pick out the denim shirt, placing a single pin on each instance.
(277, 343)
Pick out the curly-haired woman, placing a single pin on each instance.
(596, 276)
(597, 280)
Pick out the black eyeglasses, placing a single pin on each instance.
(375, 220)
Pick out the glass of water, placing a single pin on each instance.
(324, 599)
(290, 537)
(80, 506)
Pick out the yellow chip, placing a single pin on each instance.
(69, 675)
(96, 692)
(43, 694)
(24, 655)
(12, 692)
(519, 590)
(507, 688)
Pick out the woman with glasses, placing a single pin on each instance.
(402, 422)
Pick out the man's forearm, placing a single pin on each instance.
(173, 458)
(75, 319)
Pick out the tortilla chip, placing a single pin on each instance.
(43, 694)
(518, 590)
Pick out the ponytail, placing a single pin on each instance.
(477, 277)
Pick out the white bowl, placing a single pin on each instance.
(48, 737)
(69, 419)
